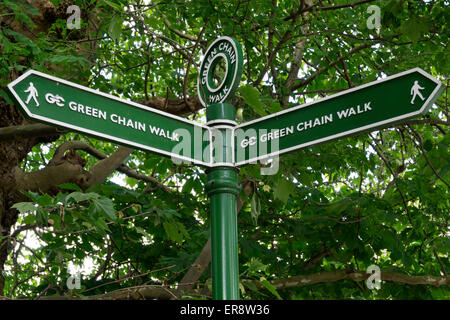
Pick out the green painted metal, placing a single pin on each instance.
(220, 112)
(230, 51)
(364, 108)
(222, 188)
(222, 116)
(222, 185)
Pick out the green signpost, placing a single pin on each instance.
(222, 185)
(222, 145)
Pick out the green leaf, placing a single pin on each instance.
(70, 186)
(428, 145)
(168, 213)
(105, 206)
(255, 267)
(171, 230)
(282, 189)
(29, 219)
(270, 287)
(24, 207)
(175, 230)
(100, 226)
(249, 284)
(241, 288)
(115, 27)
(132, 182)
(251, 97)
(44, 200)
(113, 5)
(32, 195)
(80, 196)
(5, 96)
(414, 27)
(41, 217)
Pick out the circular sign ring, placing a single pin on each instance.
(222, 48)
(212, 67)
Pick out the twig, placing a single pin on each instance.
(393, 175)
(416, 134)
(189, 65)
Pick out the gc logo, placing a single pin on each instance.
(248, 142)
(58, 100)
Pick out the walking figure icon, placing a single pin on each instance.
(33, 94)
(415, 91)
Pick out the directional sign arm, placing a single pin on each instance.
(364, 108)
(65, 104)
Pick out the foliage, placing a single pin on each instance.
(378, 198)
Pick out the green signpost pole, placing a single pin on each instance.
(222, 186)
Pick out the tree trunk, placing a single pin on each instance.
(12, 153)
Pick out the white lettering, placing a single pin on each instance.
(316, 122)
(289, 130)
(342, 114)
(154, 130)
(137, 125)
(174, 136)
(195, 310)
(87, 110)
(73, 106)
(308, 124)
(328, 118)
(351, 111)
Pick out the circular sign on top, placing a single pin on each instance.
(220, 71)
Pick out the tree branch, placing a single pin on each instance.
(332, 276)
(103, 168)
(196, 270)
(29, 130)
(165, 293)
(78, 145)
(178, 32)
(308, 80)
(176, 106)
(380, 154)
(417, 135)
(351, 5)
(49, 178)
